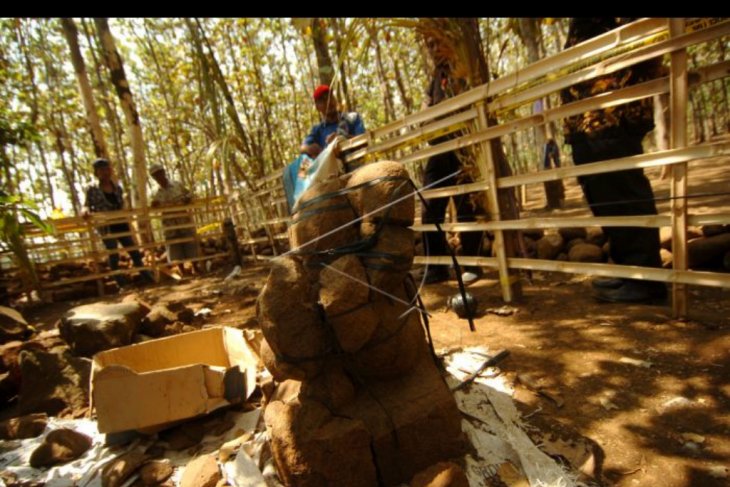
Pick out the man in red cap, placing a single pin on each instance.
(334, 122)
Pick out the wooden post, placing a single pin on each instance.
(485, 163)
(95, 255)
(678, 138)
(229, 232)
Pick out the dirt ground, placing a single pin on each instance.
(652, 392)
(600, 370)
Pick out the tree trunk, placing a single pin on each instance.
(112, 117)
(341, 61)
(67, 173)
(274, 153)
(407, 101)
(166, 86)
(324, 61)
(384, 85)
(92, 117)
(121, 85)
(35, 112)
(47, 173)
(528, 32)
(295, 120)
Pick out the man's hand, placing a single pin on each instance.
(312, 150)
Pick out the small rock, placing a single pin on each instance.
(60, 446)
(633, 361)
(11, 330)
(584, 252)
(172, 329)
(691, 447)
(675, 403)
(693, 437)
(201, 472)
(28, 426)
(442, 474)
(502, 311)
(134, 298)
(595, 236)
(183, 436)
(119, 469)
(607, 404)
(204, 312)
(719, 471)
(155, 472)
(573, 243)
(667, 258)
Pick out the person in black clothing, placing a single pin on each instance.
(107, 195)
(443, 85)
(608, 134)
(552, 155)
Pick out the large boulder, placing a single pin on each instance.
(97, 327)
(52, 382)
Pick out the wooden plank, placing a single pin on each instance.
(678, 97)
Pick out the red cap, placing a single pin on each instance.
(320, 90)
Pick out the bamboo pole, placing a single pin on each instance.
(485, 162)
(699, 278)
(659, 158)
(678, 112)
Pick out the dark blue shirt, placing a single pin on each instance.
(348, 125)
